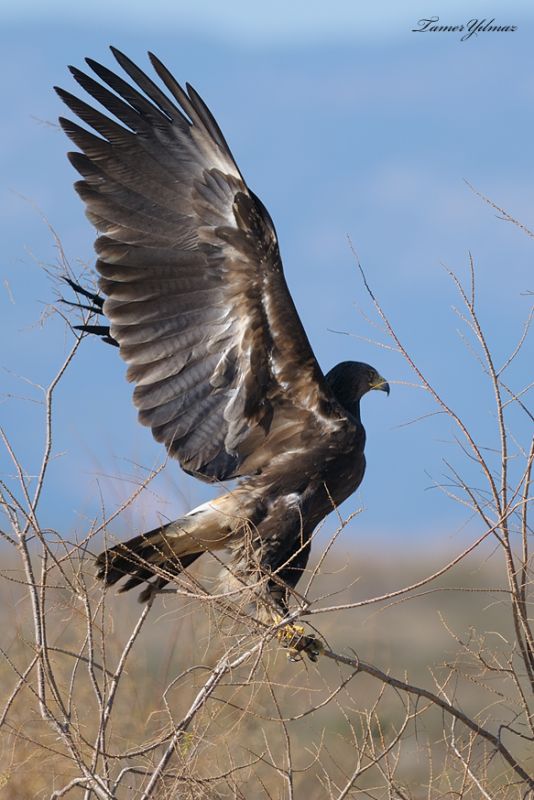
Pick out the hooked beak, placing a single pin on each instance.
(380, 384)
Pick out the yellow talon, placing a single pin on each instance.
(290, 633)
(294, 638)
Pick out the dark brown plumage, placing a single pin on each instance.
(197, 301)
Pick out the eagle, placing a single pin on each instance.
(224, 374)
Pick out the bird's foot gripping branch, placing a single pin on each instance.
(297, 642)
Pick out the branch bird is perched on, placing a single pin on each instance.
(224, 374)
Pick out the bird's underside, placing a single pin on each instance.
(197, 302)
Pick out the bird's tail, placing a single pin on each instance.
(142, 558)
(165, 551)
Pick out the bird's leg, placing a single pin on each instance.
(293, 637)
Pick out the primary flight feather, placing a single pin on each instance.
(197, 302)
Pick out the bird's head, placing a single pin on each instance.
(350, 380)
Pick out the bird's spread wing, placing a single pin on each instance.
(190, 266)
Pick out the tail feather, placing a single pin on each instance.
(142, 558)
(164, 552)
(171, 568)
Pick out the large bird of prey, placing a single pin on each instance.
(224, 374)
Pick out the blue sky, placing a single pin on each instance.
(345, 123)
(243, 22)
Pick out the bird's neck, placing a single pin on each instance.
(351, 405)
(347, 388)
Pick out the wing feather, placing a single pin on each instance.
(191, 270)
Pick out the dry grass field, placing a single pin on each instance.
(272, 728)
